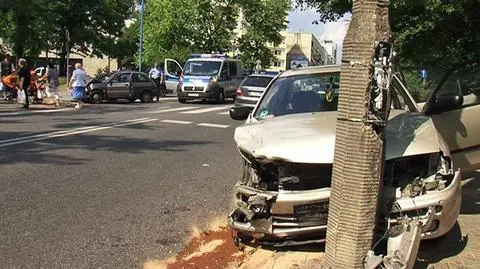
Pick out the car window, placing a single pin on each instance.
(232, 68)
(136, 77)
(300, 94)
(256, 81)
(399, 101)
(466, 84)
(120, 78)
(202, 68)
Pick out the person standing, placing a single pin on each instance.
(156, 74)
(53, 83)
(7, 69)
(25, 79)
(78, 83)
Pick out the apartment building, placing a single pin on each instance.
(298, 50)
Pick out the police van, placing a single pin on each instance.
(204, 76)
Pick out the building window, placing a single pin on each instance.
(278, 63)
(278, 52)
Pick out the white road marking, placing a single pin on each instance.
(213, 125)
(224, 113)
(205, 110)
(81, 130)
(171, 110)
(176, 121)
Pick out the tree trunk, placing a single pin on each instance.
(359, 145)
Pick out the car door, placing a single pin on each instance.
(172, 70)
(119, 86)
(141, 82)
(459, 125)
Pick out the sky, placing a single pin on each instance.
(301, 21)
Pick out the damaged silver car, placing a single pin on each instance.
(287, 146)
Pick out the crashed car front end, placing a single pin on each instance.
(281, 201)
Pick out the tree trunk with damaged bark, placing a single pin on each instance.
(360, 144)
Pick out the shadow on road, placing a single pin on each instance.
(52, 151)
(433, 251)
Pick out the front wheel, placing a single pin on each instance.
(96, 97)
(183, 101)
(221, 97)
(147, 97)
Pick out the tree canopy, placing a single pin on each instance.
(176, 28)
(35, 25)
(438, 34)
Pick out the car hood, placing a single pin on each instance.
(310, 137)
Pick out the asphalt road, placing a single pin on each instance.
(112, 185)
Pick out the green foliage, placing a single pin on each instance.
(263, 22)
(177, 28)
(416, 85)
(428, 33)
(36, 25)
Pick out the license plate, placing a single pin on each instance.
(194, 94)
(312, 212)
(256, 94)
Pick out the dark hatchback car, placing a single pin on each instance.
(129, 85)
(251, 88)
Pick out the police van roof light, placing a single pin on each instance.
(216, 55)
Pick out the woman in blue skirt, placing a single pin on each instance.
(78, 84)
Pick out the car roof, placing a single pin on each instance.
(312, 70)
(213, 60)
(262, 75)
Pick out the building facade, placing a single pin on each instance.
(331, 48)
(298, 50)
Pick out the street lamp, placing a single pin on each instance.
(142, 11)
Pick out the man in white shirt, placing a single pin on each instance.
(78, 84)
(156, 74)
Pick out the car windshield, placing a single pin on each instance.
(104, 77)
(202, 68)
(305, 93)
(256, 81)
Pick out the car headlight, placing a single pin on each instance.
(214, 79)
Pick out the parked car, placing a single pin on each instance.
(130, 85)
(251, 88)
(287, 146)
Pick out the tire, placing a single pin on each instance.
(147, 97)
(183, 101)
(96, 97)
(131, 100)
(221, 97)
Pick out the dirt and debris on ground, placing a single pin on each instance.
(215, 249)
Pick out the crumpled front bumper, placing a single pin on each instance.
(283, 225)
(446, 204)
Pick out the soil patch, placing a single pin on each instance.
(212, 249)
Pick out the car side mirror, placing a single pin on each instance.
(239, 112)
(446, 102)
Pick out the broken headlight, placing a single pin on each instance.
(402, 171)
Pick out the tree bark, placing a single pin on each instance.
(359, 146)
